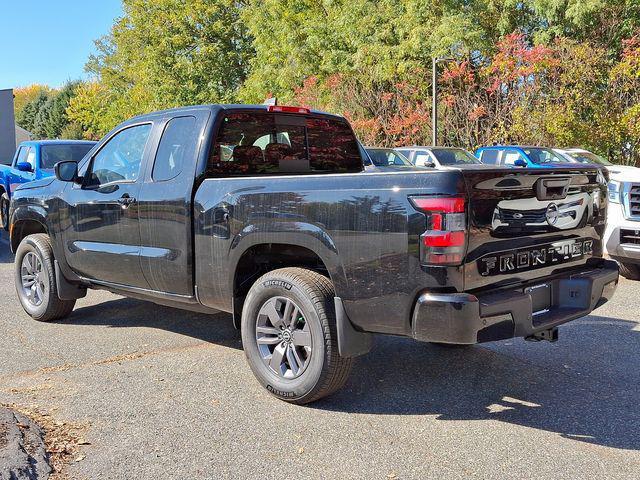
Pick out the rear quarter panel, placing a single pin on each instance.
(361, 225)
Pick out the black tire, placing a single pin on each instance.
(326, 371)
(630, 270)
(4, 211)
(50, 307)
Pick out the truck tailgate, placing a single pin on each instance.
(531, 223)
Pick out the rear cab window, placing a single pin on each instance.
(266, 143)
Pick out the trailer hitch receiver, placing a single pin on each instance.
(550, 335)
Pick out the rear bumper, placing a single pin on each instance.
(462, 318)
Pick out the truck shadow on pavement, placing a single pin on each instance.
(5, 252)
(587, 389)
(128, 312)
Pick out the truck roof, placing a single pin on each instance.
(58, 142)
(216, 107)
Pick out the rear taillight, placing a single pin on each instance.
(445, 240)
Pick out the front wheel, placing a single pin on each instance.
(289, 335)
(4, 211)
(36, 281)
(630, 270)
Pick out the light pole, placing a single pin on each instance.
(434, 96)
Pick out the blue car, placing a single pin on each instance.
(35, 160)
(521, 156)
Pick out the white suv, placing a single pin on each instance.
(622, 235)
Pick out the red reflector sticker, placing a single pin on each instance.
(444, 258)
(444, 239)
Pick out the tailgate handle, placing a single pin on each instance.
(552, 188)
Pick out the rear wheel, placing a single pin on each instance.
(4, 211)
(289, 335)
(630, 270)
(36, 281)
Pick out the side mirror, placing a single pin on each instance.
(66, 171)
(24, 167)
(520, 163)
(429, 164)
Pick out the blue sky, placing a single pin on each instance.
(49, 41)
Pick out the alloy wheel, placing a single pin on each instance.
(283, 337)
(34, 279)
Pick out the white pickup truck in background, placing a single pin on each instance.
(622, 235)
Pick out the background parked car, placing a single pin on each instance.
(436, 157)
(521, 156)
(385, 159)
(34, 160)
(622, 235)
(579, 155)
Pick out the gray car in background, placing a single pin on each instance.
(386, 159)
(437, 157)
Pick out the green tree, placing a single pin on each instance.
(165, 53)
(26, 117)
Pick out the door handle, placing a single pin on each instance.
(126, 200)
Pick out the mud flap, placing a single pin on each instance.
(66, 290)
(351, 343)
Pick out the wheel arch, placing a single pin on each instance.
(26, 222)
(260, 257)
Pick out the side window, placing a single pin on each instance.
(177, 144)
(395, 159)
(510, 156)
(31, 158)
(120, 158)
(422, 159)
(489, 156)
(405, 152)
(22, 155)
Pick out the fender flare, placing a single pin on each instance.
(305, 235)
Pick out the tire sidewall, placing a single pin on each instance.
(4, 211)
(29, 245)
(274, 286)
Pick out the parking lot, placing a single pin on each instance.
(163, 393)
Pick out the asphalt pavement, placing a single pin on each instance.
(163, 393)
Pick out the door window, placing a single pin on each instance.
(178, 143)
(510, 157)
(22, 155)
(405, 152)
(119, 160)
(422, 159)
(31, 159)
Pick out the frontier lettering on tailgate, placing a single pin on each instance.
(529, 258)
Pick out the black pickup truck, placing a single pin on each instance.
(265, 212)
